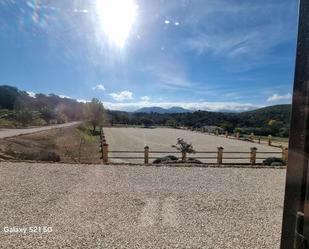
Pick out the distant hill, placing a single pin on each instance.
(17, 105)
(19, 108)
(273, 120)
(160, 110)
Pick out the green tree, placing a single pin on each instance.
(275, 126)
(171, 122)
(95, 113)
(8, 96)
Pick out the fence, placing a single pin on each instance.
(219, 156)
(250, 138)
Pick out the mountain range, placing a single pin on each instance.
(160, 110)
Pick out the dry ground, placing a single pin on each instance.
(96, 206)
(71, 144)
(162, 138)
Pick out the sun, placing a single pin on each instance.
(116, 17)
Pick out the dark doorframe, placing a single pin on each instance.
(297, 170)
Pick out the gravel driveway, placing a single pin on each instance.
(95, 206)
(16, 132)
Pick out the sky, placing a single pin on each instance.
(213, 55)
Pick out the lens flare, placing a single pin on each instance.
(116, 17)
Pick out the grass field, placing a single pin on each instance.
(161, 139)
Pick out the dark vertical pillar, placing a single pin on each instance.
(297, 169)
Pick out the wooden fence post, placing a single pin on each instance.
(269, 140)
(220, 155)
(102, 132)
(226, 134)
(217, 132)
(253, 155)
(252, 136)
(237, 135)
(146, 155)
(285, 153)
(259, 140)
(105, 153)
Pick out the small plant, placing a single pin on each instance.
(273, 161)
(165, 159)
(184, 148)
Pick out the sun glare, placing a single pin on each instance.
(116, 18)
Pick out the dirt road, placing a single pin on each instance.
(16, 132)
(95, 206)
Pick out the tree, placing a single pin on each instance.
(95, 113)
(275, 126)
(24, 117)
(147, 122)
(183, 147)
(47, 114)
(171, 122)
(8, 95)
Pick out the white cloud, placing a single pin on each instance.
(99, 87)
(65, 97)
(145, 98)
(121, 96)
(202, 105)
(176, 23)
(167, 22)
(82, 100)
(276, 97)
(31, 94)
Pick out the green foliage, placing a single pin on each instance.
(271, 161)
(172, 122)
(8, 96)
(51, 108)
(147, 122)
(256, 121)
(183, 146)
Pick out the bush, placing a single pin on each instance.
(273, 161)
(166, 159)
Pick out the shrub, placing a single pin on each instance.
(183, 146)
(273, 161)
(166, 159)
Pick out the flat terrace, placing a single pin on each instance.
(161, 139)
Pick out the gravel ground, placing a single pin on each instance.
(95, 206)
(16, 132)
(161, 139)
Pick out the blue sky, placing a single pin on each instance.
(198, 54)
